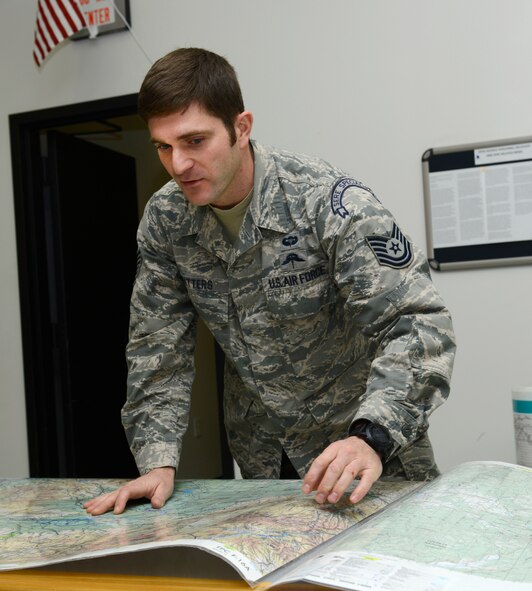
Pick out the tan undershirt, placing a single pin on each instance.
(232, 218)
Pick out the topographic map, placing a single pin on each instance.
(470, 529)
(255, 525)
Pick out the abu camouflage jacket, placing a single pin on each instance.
(324, 309)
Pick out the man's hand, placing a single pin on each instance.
(334, 470)
(157, 485)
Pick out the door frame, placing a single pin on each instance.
(28, 179)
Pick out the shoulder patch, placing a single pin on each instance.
(392, 251)
(337, 193)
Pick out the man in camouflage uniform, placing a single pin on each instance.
(337, 345)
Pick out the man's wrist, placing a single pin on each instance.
(375, 435)
(167, 469)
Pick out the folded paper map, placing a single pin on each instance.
(468, 529)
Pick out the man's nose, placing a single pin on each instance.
(180, 162)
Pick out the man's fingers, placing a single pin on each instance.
(124, 494)
(333, 471)
(158, 491)
(334, 478)
(342, 484)
(162, 493)
(158, 501)
(159, 496)
(317, 470)
(106, 504)
(366, 481)
(157, 485)
(136, 489)
(115, 501)
(101, 504)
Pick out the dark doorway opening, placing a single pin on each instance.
(76, 212)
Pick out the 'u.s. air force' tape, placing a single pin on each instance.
(393, 251)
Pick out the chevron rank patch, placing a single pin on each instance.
(392, 251)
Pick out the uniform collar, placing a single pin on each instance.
(269, 207)
(268, 210)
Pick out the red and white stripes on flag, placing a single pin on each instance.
(56, 21)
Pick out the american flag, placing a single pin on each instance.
(56, 21)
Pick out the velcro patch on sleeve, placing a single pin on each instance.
(337, 194)
(392, 251)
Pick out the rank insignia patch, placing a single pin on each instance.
(393, 251)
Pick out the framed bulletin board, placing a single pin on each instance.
(478, 204)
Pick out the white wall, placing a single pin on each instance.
(367, 84)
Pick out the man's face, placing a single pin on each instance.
(195, 149)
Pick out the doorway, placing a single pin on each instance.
(81, 179)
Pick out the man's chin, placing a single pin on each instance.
(197, 199)
(194, 194)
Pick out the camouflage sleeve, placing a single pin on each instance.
(387, 287)
(159, 352)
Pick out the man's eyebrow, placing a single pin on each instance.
(183, 136)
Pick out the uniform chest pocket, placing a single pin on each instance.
(301, 316)
(297, 302)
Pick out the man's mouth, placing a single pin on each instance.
(190, 183)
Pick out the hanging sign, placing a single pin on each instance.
(103, 16)
(97, 13)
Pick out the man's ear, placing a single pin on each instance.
(243, 125)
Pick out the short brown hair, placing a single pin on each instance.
(191, 75)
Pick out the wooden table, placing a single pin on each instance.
(32, 580)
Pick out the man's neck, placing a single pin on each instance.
(246, 175)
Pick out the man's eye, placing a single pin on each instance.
(196, 141)
(162, 147)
